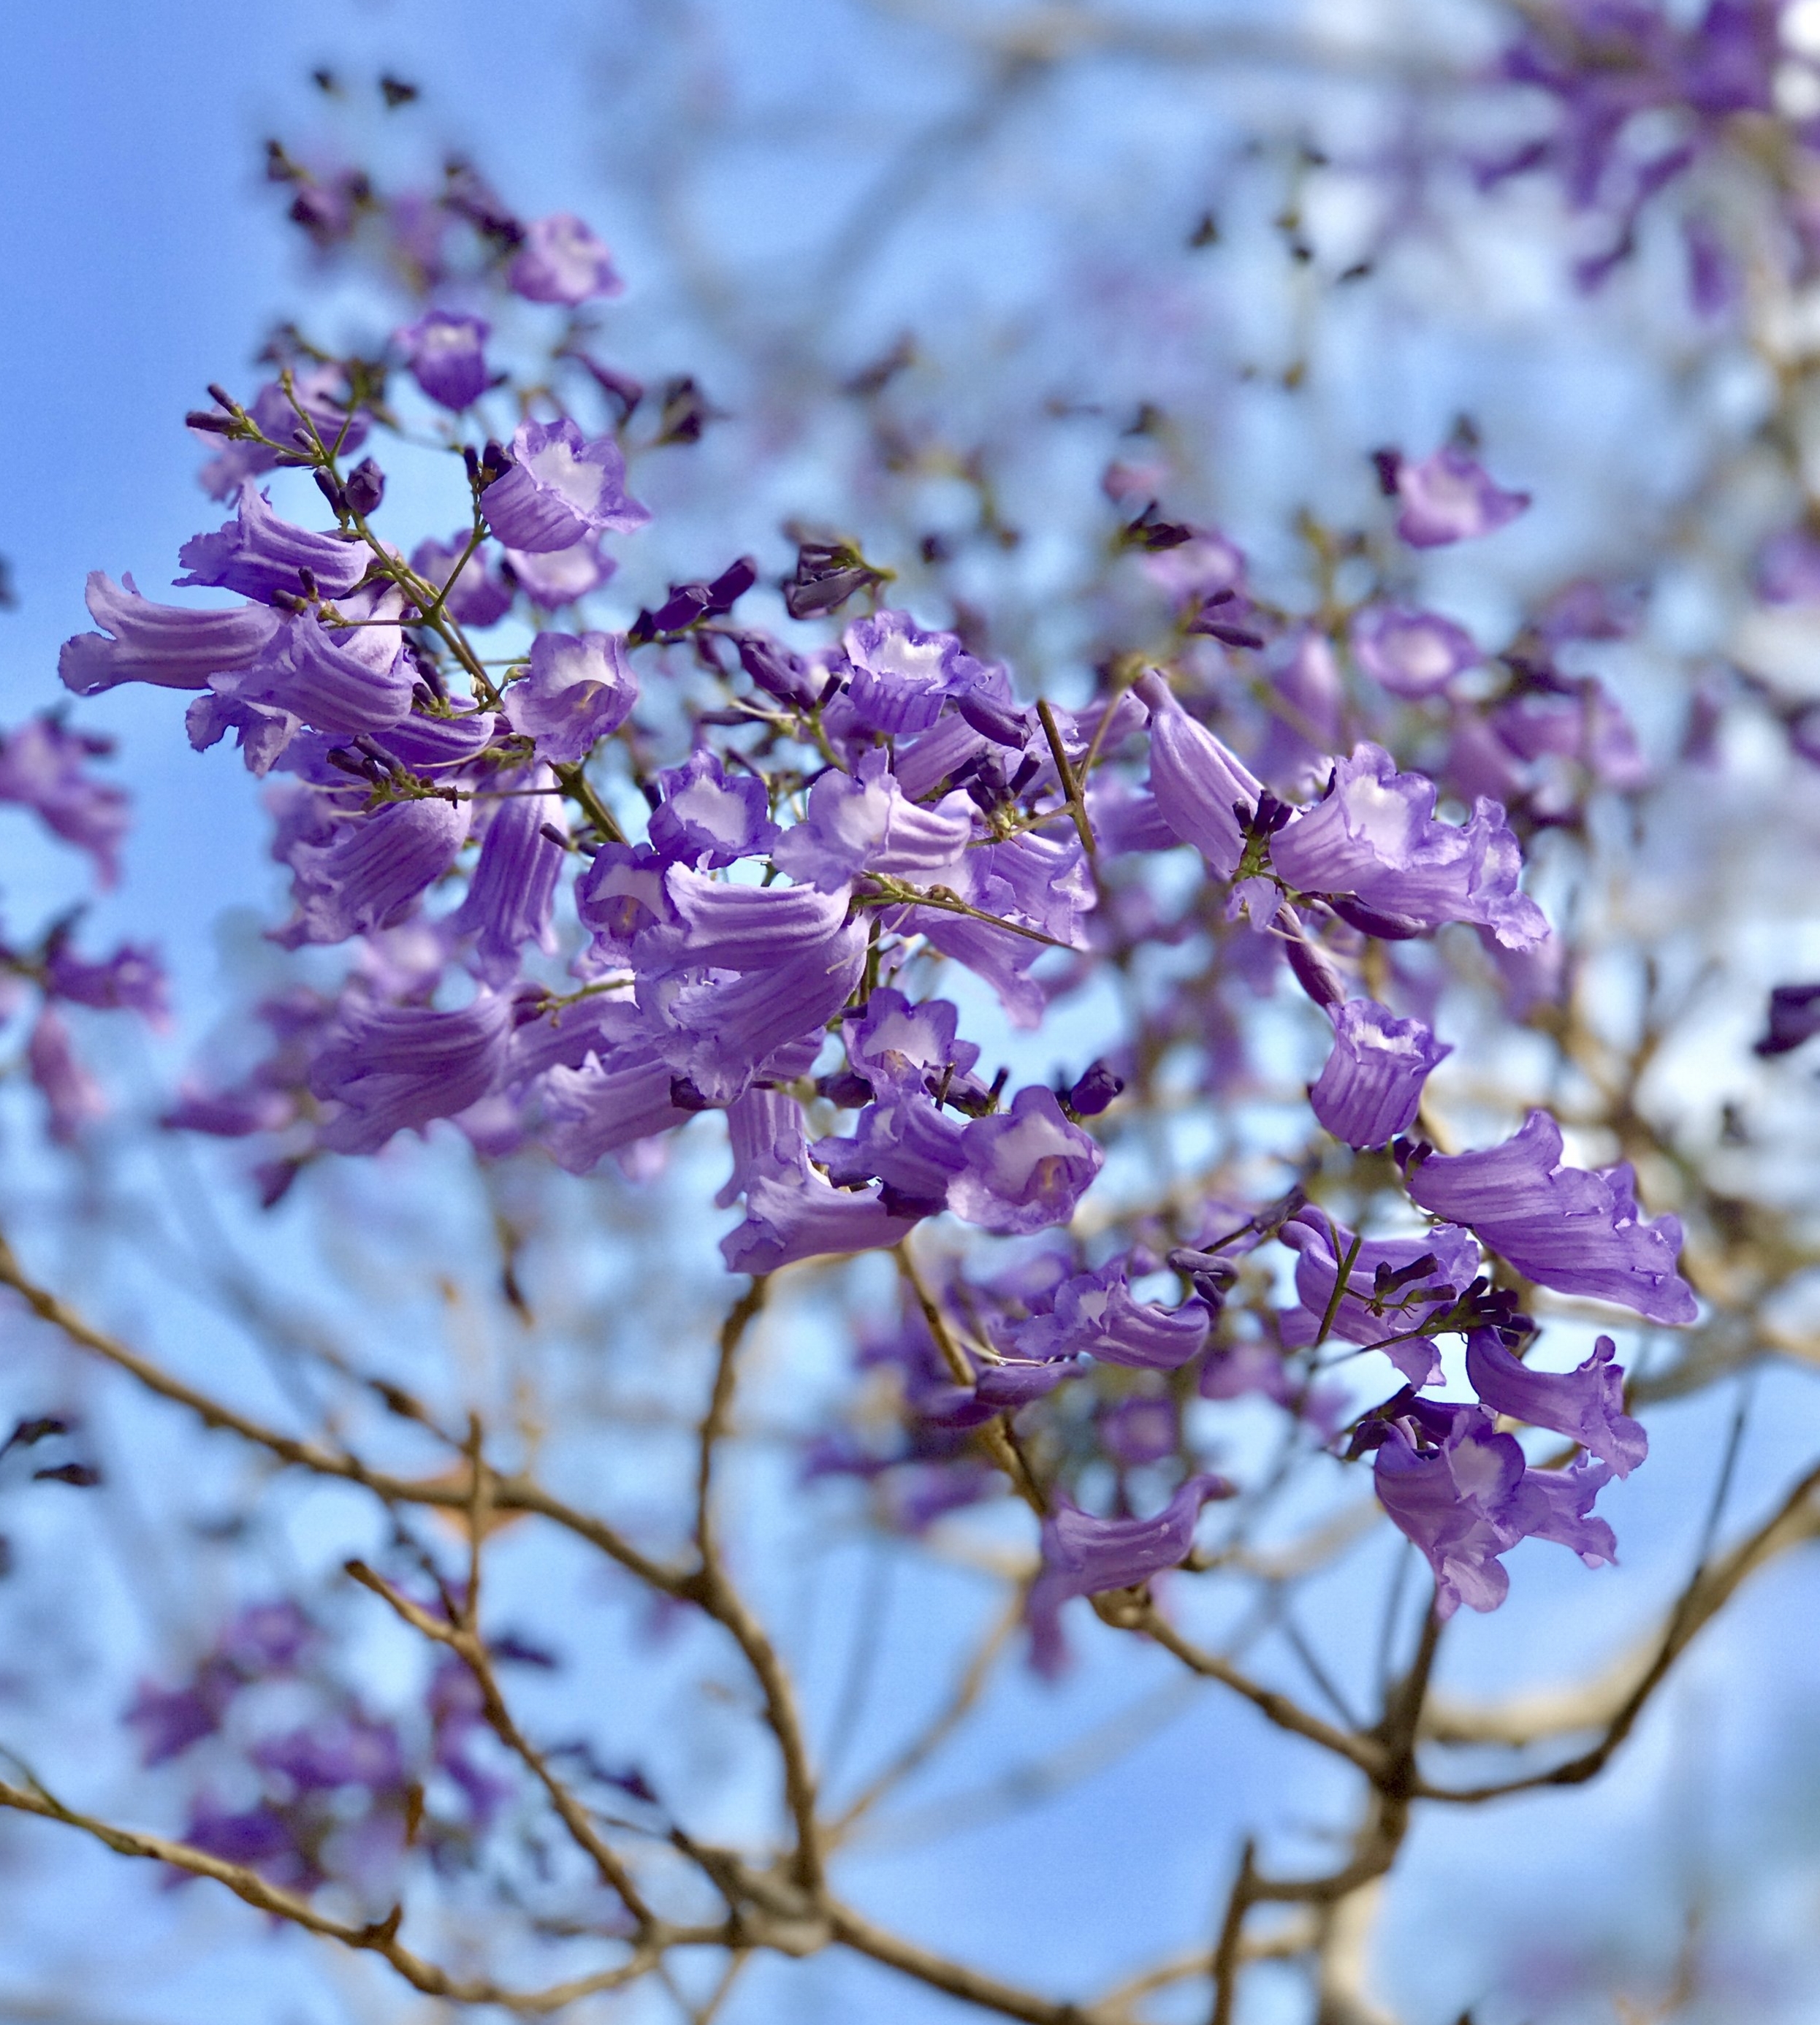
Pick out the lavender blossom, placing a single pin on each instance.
(479, 596)
(705, 818)
(131, 979)
(262, 556)
(513, 889)
(792, 1212)
(1586, 1403)
(560, 260)
(1026, 1169)
(1096, 1313)
(1448, 497)
(1371, 1087)
(1086, 1556)
(1199, 785)
(558, 577)
(891, 1041)
(395, 1067)
(72, 1097)
(370, 873)
(1376, 837)
(559, 487)
(43, 768)
(901, 675)
(1394, 1286)
(580, 688)
(1576, 1232)
(358, 679)
(171, 646)
(863, 822)
(444, 354)
(1412, 654)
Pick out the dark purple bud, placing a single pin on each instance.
(1387, 464)
(1315, 971)
(1369, 921)
(686, 412)
(828, 573)
(845, 1089)
(992, 717)
(1151, 533)
(772, 666)
(207, 420)
(555, 835)
(331, 491)
(1094, 1091)
(1794, 1017)
(365, 487)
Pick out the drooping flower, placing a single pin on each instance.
(560, 260)
(1448, 497)
(1412, 654)
(171, 646)
(892, 1043)
(1376, 838)
(862, 821)
(1026, 1168)
(320, 392)
(131, 979)
(559, 488)
(392, 1067)
(1586, 1403)
(346, 681)
(43, 767)
(901, 674)
(1371, 1087)
(1393, 1287)
(1097, 1313)
(478, 597)
(580, 688)
(1199, 785)
(792, 1211)
(262, 556)
(621, 894)
(370, 873)
(445, 354)
(906, 1142)
(1577, 1231)
(511, 895)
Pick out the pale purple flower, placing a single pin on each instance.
(72, 1097)
(261, 555)
(1026, 1168)
(792, 1211)
(444, 353)
(1200, 788)
(1448, 497)
(512, 894)
(345, 682)
(559, 487)
(708, 817)
(393, 1067)
(169, 1720)
(560, 260)
(171, 646)
(1394, 1285)
(479, 597)
(370, 871)
(1412, 654)
(1097, 1313)
(346, 1750)
(891, 1042)
(862, 821)
(430, 745)
(1376, 837)
(1586, 1403)
(580, 687)
(721, 926)
(1140, 1430)
(1086, 1556)
(907, 1144)
(1371, 1087)
(622, 894)
(618, 1094)
(1579, 1232)
(901, 674)
(131, 979)
(42, 768)
(559, 576)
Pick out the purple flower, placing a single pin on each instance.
(513, 892)
(259, 1837)
(169, 1720)
(1376, 837)
(1140, 1430)
(580, 688)
(395, 1066)
(1461, 1492)
(131, 979)
(72, 1095)
(1576, 1232)
(862, 822)
(261, 555)
(1096, 1313)
(347, 1750)
(707, 819)
(1587, 1402)
(171, 646)
(559, 576)
(41, 768)
(559, 487)
(345, 682)
(1372, 1085)
(1412, 654)
(901, 675)
(905, 1141)
(369, 872)
(1085, 1556)
(478, 597)
(1026, 1168)
(1394, 1285)
(1448, 497)
(891, 1041)
(263, 1638)
(442, 351)
(793, 1212)
(560, 260)
(430, 745)
(618, 1094)
(1198, 783)
(622, 894)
